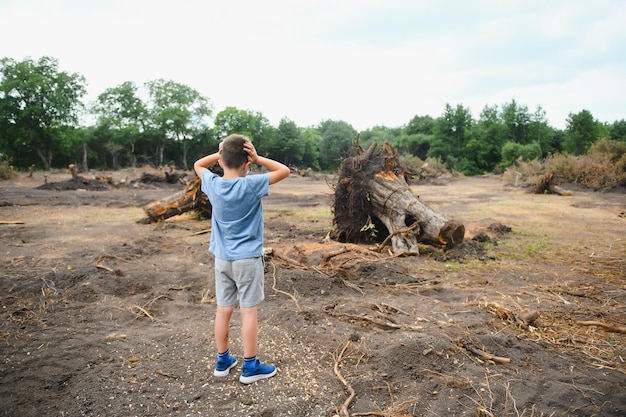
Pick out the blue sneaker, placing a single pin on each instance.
(255, 370)
(224, 365)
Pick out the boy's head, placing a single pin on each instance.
(233, 154)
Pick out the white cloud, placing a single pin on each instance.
(366, 62)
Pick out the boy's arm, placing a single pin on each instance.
(278, 171)
(205, 163)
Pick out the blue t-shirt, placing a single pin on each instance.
(237, 218)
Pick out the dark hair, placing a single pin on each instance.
(233, 153)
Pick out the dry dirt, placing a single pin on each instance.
(104, 316)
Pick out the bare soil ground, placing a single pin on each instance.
(104, 316)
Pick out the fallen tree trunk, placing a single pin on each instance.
(373, 202)
(189, 199)
(545, 186)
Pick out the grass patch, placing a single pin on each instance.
(524, 246)
(307, 213)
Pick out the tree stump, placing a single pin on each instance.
(545, 186)
(373, 203)
(189, 199)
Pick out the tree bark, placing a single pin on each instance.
(545, 186)
(189, 199)
(374, 202)
(85, 167)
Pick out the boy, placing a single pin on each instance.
(237, 243)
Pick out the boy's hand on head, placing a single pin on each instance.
(251, 151)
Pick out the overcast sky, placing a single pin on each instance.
(365, 62)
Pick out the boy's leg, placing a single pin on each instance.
(222, 327)
(226, 298)
(225, 361)
(249, 275)
(252, 370)
(249, 330)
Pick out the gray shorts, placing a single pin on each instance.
(241, 280)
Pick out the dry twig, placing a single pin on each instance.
(484, 355)
(293, 297)
(523, 319)
(162, 373)
(344, 407)
(397, 232)
(144, 309)
(288, 260)
(330, 309)
(116, 336)
(607, 327)
(332, 254)
(100, 265)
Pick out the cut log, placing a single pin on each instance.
(373, 201)
(189, 199)
(545, 186)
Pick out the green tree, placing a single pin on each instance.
(312, 139)
(539, 131)
(489, 134)
(415, 138)
(37, 102)
(252, 124)
(378, 134)
(420, 125)
(336, 143)
(617, 130)
(178, 113)
(581, 131)
(82, 153)
(288, 146)
(512, 152)
(124, 114)
(451, 134)
(516, 120)
(417, 144)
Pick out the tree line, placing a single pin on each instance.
(42, 117)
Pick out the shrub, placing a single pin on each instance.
(524, 174)
(411, 161)
(603, 166)
(431, 168)
(612, 149)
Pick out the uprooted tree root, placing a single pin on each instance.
(374, 204)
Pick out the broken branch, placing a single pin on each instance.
(395, 233)
(333, 254)
(607, 327)
(484, 355)
(330, 309)
(144, 311)
(344, 407)
(160, 372)
(100, 265)
(295, 300)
